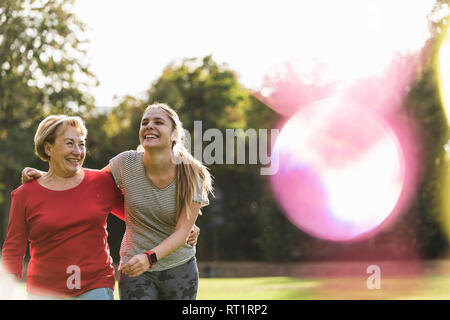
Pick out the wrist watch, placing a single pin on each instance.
(152, 259)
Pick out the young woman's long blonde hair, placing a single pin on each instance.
(189, 171)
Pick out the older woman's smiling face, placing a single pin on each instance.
(67, 153)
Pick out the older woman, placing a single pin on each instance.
(63, 216)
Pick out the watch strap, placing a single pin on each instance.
(152, 259)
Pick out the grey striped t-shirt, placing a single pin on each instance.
(150, 212)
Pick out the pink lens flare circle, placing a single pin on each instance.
(341, 170)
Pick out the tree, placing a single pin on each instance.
(202, 89)
(42, 71)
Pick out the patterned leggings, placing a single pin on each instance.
(179, 283)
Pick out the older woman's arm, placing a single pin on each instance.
(15, 245)
(118, 208)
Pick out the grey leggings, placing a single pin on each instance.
(179, 283)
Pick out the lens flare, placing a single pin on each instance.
(444, 71)
(294, 84)
(341, 170)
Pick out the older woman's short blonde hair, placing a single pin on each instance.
(50, 127)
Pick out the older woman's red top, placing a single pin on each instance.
(67, 235)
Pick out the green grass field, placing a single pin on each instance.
(272, 288)
(286, 288)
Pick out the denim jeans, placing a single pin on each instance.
(94, 294)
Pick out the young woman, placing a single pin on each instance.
(164, 188)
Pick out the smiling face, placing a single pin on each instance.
(67, 153)
(156, 129)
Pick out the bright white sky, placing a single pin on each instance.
(133, 40)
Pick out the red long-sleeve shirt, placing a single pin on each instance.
(67, 235)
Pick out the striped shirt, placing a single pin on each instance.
(150, 212)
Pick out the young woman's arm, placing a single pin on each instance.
(139, 263)
(30, 174)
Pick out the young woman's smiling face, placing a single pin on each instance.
(156, 129)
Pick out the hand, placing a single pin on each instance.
(30, 174)
(135, 266)
(193, 236)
